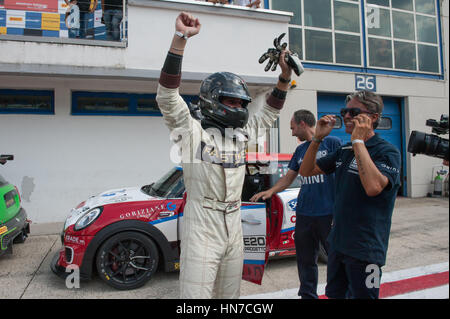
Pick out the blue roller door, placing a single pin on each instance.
(389, 129)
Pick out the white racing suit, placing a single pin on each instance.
(211, 258)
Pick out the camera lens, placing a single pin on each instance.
(428, 144)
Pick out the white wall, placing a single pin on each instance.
(69, 158)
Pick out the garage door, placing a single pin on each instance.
(390, 127)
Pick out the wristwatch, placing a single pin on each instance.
(317, 140)
(181, 35)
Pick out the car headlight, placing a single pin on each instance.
(88, 218)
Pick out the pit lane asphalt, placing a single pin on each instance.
(419, 237)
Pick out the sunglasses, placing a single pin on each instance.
(354, 111)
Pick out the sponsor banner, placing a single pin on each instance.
(33, 20)
(255, 241)
(62, 6)
(15, 19)
(44, 18)
(50, 21)
(36, 5)
(2, 18)
(98, 18)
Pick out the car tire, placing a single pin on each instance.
(20, 238)
(127, 260)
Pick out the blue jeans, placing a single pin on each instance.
(84, 24)
(112, 20)
(74, 33)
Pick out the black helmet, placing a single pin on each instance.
(224, 84)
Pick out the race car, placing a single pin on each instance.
(14, 224)
(125, 234)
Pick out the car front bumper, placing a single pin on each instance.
(13, 228)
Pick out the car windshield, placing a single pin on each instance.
(171, 185)
(281, 170)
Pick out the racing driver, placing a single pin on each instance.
(213, 161)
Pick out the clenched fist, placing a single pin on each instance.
(187, 24)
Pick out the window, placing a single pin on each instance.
(170, 185)
(319, 46)
(113, 103)
(412, 44)
(385, 123)
(327, 31)
(318, 13)
(27, 102)
(347, 49)
(397, 35)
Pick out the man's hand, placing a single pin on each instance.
(255, 4)
(265, 195)
(362, 127)
(286, 70)
(324, 126)
(187, 24)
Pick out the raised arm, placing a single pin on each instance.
(323, 129)
(372, 179)
(173, 108)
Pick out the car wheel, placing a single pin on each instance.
(127, 260)
(20, 238)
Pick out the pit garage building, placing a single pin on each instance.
(80, 114)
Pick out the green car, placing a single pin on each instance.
(14, 225)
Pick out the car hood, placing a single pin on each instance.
(110, 197)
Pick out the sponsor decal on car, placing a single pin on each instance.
(3, 230)
(293, 204)
(75, 240)
(147, 213)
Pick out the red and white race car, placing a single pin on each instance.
(126, 233)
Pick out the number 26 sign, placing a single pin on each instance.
(365, 82)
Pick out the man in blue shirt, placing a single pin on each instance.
(315, 203)
(367, 178)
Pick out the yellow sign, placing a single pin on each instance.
(3, 230)
(50, 21)
(2, 30)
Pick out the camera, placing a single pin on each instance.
(431, 144)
